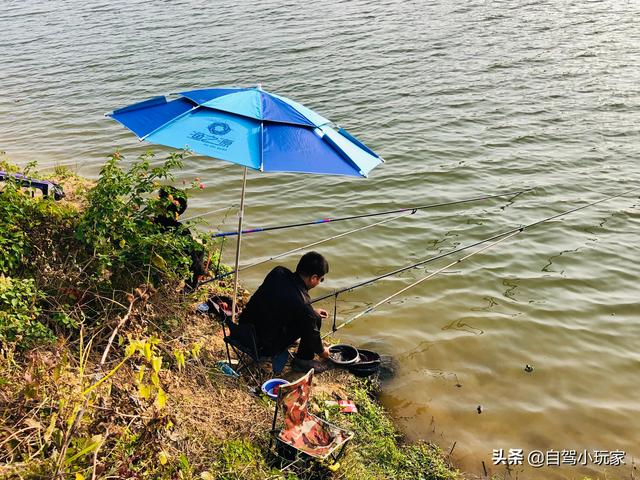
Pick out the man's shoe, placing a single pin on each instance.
(318, 366)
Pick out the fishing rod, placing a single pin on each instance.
(403, 212)
(318, 242)
(335, 293)
(417, 282)
(374, 214)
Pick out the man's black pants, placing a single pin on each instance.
(305, 349)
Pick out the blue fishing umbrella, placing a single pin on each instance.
(250, 127)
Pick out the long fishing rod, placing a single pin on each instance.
(417, 282)
(313, 244)
(374, 214)
(403, 212)
(335, 293)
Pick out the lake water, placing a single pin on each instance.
(461, 99)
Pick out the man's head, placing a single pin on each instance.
(312, 268)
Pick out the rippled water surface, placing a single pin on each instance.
(460, 98)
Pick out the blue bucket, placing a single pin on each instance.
(269, 385)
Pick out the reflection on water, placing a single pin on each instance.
(460, 98)
(463, 327)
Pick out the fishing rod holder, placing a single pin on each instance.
(335, 312)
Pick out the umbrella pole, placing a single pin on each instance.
(235, 276)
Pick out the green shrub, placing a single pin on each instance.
(19, 312)
(118, 225)
(76, 258)
(14, 211)
(22, 218)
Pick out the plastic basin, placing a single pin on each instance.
(270, 385)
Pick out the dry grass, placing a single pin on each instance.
(210, 423)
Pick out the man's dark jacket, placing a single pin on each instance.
(281, 312)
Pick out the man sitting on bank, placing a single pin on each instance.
(280, 311)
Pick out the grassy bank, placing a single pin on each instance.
(108, 371)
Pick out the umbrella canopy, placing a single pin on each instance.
(250, 127)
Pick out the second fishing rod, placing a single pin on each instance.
(402, 212)
(374, 214)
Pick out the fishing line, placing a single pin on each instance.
(374, 214)
(466, 247)
(431, 275)
(297, 249)
(207, 213)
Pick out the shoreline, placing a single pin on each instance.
(138, 393)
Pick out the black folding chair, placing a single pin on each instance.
(241, 338)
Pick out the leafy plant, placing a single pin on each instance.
(147, 379)
(19, 311)
(21, 214)
(119, 225)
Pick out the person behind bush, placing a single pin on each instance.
(173, 203)
(280, 311)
